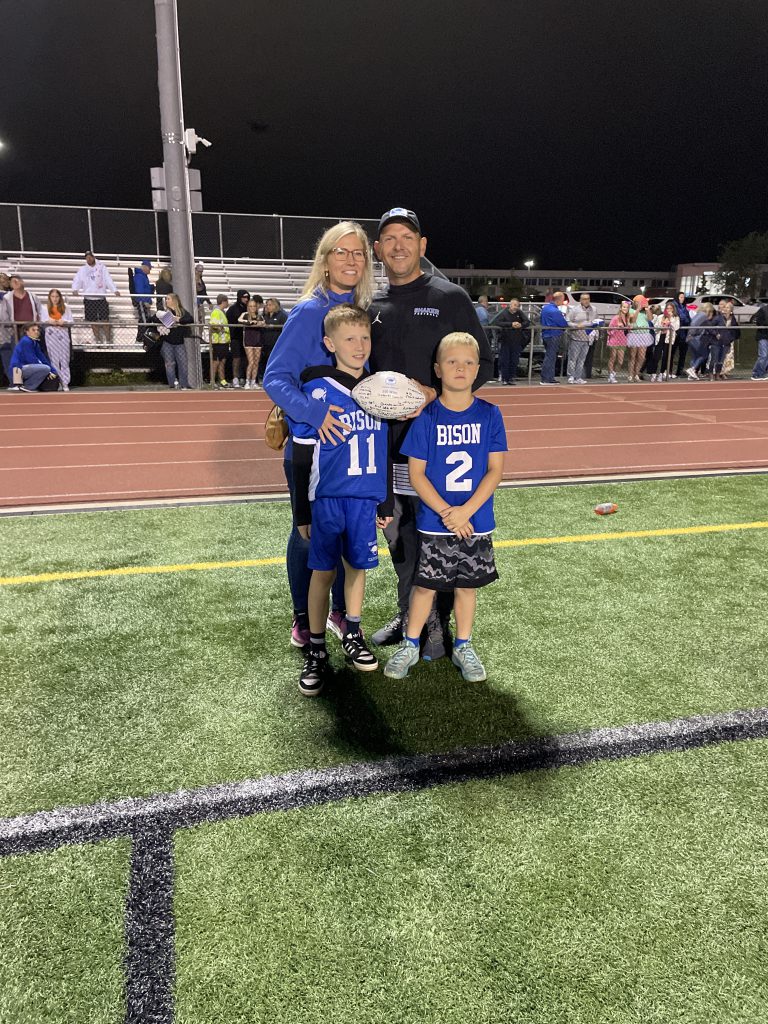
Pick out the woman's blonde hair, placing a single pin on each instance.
(177, 302)
(317, 282)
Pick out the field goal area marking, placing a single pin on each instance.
(250, 563)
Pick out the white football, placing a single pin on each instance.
(388, 395)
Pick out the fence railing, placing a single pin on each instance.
(32, 228)
(530, 356)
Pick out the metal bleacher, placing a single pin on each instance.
(279, 279)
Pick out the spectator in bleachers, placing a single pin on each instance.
(201, 292)
(56, 316)
(219, 333)
(252, 322)
(514, 335)
(30, 368)
(143, 290)
(274, 318)
(17, 306)
(5, 284)
(94, 281)
(164, 286)
(618, 329)
(173, 350)
(234, 313)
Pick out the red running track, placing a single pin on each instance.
(121, 446)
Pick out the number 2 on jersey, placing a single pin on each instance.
(354, 456)
(463, 463)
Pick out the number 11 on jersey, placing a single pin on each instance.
(353, 444)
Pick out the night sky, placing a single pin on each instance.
(597, 135)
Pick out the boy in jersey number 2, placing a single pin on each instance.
(342, 493)
(455, 452)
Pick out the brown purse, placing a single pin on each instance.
(276, 429)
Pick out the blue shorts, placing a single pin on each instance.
(343, 526)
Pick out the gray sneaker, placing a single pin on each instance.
(391, 633)
(465, 659)
(404, 658)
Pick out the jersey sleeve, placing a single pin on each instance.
(498, 433)
(416, 443)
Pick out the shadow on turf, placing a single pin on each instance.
(433, 709)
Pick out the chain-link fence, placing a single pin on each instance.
(519, 354)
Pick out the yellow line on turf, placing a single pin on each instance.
(250, 563)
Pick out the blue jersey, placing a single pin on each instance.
(455, 447)
(355, 468)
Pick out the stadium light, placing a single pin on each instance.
(529, 264)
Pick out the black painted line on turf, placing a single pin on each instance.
(47, 830)
(149, 930)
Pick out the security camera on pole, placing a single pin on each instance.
(176, 176)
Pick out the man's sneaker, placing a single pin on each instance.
(391, 633)
(404, 658)
(356, 650)
(465, 659)
(299, 636)
(548, 383)
(336, 624)
(17, 387)
(438, 641)
(314, 674)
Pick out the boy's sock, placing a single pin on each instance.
(414, 641)
(317, 642)
(460, 643)
(353, 625)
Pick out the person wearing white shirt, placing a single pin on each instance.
(94, 281)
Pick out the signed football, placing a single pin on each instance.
(388, 395)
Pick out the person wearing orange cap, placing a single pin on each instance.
(640, 336)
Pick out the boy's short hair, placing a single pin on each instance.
(344, 314)
(221, 298)
(457, 338)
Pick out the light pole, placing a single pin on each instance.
(176, 174)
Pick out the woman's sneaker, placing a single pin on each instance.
(611, 378)
(404, 658)
(336, 624)
(299, 635)
(465, 659)
(314, 674)
(356, 650)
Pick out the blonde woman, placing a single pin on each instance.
(252, 320)
(56, 315)
(342, 271)
(640, 337)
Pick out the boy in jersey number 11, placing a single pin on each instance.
(343, 492)
(455, 452)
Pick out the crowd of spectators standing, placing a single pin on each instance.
(642, 341)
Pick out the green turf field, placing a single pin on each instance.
(620, 892)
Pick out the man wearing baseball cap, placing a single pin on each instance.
(409, 317)
(142, 291)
